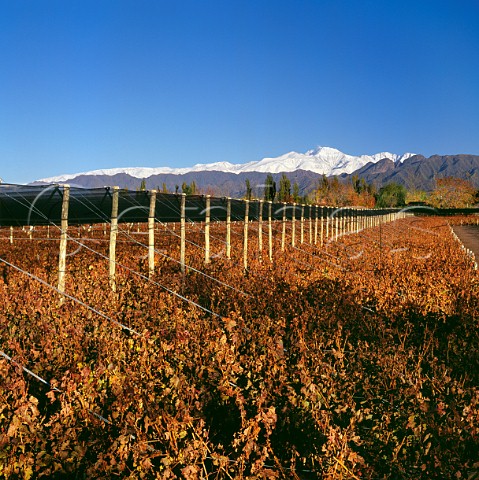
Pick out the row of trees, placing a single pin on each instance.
(328, 192)
(188, 188)
(449, 192)
(284, 193)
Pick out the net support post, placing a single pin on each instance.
(270, 231)
(293, 226)
(245, 235)
(260, 228)
(151, 234)
(113, 236)
(207, 228)
(183, 232)
(63, 241)
(228, 227)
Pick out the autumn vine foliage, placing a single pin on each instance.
(359, 359)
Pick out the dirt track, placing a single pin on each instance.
(469, 235)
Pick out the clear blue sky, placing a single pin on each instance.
(115, 83)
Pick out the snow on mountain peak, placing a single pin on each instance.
(319, 150)
(322, 160)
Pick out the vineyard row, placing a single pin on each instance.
(320, 229)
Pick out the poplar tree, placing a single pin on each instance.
(284, 194)
(269, 188)
(249, 190)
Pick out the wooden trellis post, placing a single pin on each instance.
(322, 227)
(63, 241)
(207, 228)
(302, 224)
(270, 231)
(327, 223)
(11, 234)
(245, 238)
(228, 227)
(336, 223)
(183, 232)
(311, 234)
(340, 222)
(316, 225)
(260, 228)
(151, 234)
(113, 235)
(283, 232)
(293, 226)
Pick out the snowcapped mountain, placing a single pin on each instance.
(321, 160)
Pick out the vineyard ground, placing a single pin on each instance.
(355, 359)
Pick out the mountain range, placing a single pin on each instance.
(223, 178)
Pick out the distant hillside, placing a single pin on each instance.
(418, 172)
(214, 183)
(415, 172)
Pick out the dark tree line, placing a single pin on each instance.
(273, 193)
